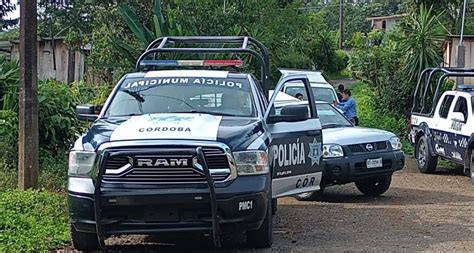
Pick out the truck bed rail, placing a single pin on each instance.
(195, 45)
(428, 87)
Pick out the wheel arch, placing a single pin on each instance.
(424, 131)
(469, 150)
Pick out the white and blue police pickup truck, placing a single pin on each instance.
(182, 149)
(443, 127)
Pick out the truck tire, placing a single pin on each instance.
(310, 196)
(471, 166)
(262, 237)
(84, 241)
(426, 162)
(374, 186)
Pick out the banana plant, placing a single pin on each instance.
(142, 34)
(9, 82)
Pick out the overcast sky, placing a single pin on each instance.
(15, 13)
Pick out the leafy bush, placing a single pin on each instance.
(58, 124)
(9, 178)
(340, 61)
(90, 94)
(381, 67)
(373, 114)
(9, 138)
(9, 81)
(33, 221)
(52, 173)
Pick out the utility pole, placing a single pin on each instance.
(461, 48)
(341, 23)
(28, 100)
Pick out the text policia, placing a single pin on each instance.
(181, 81)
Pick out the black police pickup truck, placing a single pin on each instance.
(178, 149)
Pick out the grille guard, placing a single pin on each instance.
(100, 167)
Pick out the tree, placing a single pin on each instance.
(355, 15)
(6, 7)
(423, 35)
(451, 13)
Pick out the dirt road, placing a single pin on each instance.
(419, 213)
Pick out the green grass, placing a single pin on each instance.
(33, 221)
(52, 174)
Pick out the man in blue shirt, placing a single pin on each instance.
(349, 106)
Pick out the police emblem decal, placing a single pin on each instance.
(314, 152)
(175, 119)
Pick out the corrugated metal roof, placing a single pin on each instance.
(387, 17)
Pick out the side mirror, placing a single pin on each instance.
(458, 116)
(291, 113)
(87, 112)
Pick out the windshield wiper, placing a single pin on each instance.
(177, 99)
(136, 95)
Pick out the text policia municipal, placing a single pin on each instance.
(182, 81)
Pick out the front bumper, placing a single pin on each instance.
(353, 168)
(242, 205)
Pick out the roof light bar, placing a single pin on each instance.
(465, 87)
(236, 63)
(218, 63)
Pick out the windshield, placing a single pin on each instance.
(320, 93)
(220, 96)
(328, 116)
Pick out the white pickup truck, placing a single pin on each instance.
(444, 128)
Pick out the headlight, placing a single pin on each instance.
(396, 144)
(80, 163)
(332, 150)
(251, 162)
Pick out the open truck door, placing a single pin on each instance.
(295, 151)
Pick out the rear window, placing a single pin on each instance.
(472, 104)
(220, 96)
(446, 104)
(320, 93)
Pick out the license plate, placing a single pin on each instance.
(374, 163)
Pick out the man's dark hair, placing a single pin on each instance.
(340, 88)
(348, 92)
(298, 95)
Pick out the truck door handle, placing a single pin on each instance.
(313, 133)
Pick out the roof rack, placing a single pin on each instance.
(190, 45)
(425, 88)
